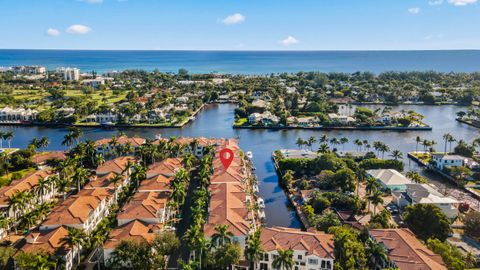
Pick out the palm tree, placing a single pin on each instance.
(415, 177)
(334, 142)
(42, 185)
(284, 260)
(43, 143)
(323, 139)
(254, 251)
(323, 148)
(417, 141)
(376, 199)
(75, 238)
(450, 141)
(80, 177)
(311, 140)
(118, 178)
(43, 262)
(63, 186)
(384, 148)
(300, 142)
(358, 143)
(446, 137)
(67, 140)
(343, 141)
(8, 136)
(396, 154)
(376, 253)
(222, 235)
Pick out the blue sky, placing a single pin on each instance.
(240, 24)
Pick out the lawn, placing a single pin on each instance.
(241, 121)
(8, 178)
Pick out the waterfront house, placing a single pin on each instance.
(148, 207)
(441, 161)
(228, 206)
(426, 194)
(133, 231)
(340, 119)
(390, 179)
(266, 118)
(311, 249)
(105, 182)
(103, 118)
(11, 115)
(50, 241)
(405, 251)
(81, 211)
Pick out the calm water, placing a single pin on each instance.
(216, 120)
(248, 62)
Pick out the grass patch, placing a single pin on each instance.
(8, 178)
(241, 121)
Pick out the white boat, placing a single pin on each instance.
(249, 155)
(261, 203)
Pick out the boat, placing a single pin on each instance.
(249, 155)
(261, 203)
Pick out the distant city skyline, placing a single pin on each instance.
(240, 25)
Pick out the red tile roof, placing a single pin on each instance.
(407, 251)
(312, 242)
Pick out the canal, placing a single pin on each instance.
(216, 120)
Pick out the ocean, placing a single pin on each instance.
(248, 62)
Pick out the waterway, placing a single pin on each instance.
(216, 120)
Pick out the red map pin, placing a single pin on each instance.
(226, 157)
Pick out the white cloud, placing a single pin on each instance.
(233, 19)
(52, 32)
(78, 29)
(461, 2)
(92, 1)
(289, 41)
(435, 2)
(414, 10)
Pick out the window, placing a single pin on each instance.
(263, 266)
(313, 261)
(329, 265)
(323, 264)
(299, 257)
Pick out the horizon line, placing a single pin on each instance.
(260, 50)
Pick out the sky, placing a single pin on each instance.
(240, 24)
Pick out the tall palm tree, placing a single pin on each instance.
(334, 142)
(450, 141)
(80, 176)
(118, 178)
(323, 148)
(376, 253)
(254, 251)
(8, 136)
(43, 143)
(417, 141)
(63, 186)
(284, 260)
(222, 235)
(300, 142)
(446, 137)
(376, 198)
(343, 141)
(67, 140)
(358, 143)
(75, 238)
(396, 154)
(42, 185)
(310, 141)
(1, 138)
(323, 138)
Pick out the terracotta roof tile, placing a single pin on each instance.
(312, 242)
(407, 251)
